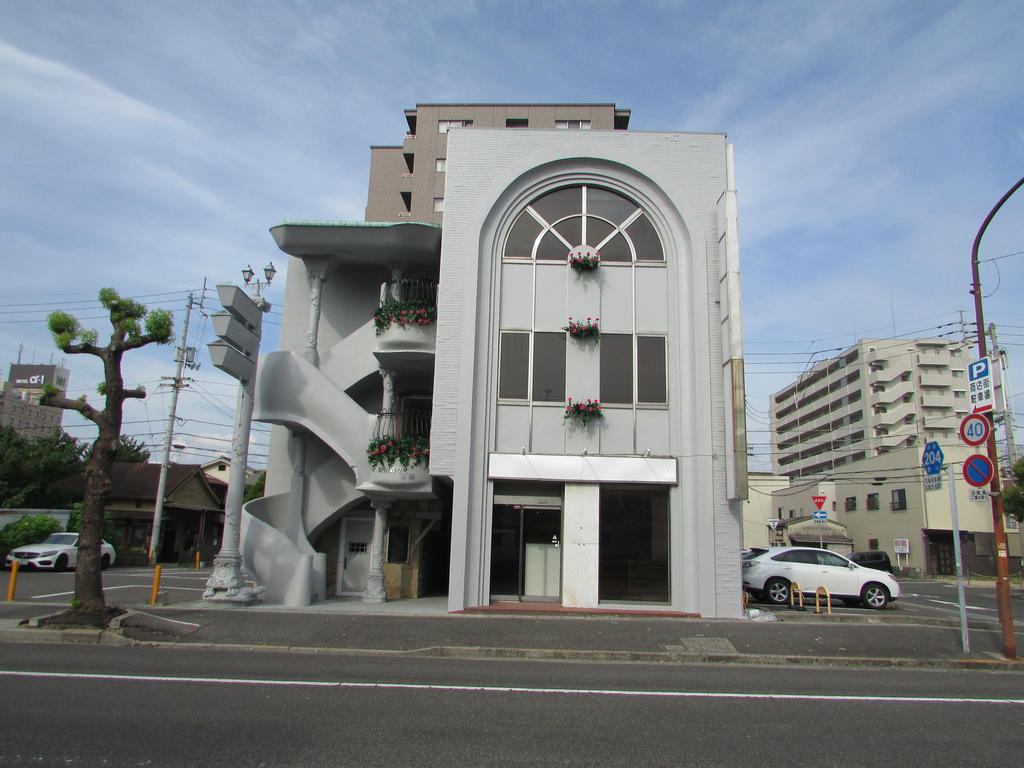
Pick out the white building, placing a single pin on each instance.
(454, 448)
(877, 396)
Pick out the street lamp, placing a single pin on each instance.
(995, 491)
(239, 328)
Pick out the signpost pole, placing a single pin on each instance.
(960, 599)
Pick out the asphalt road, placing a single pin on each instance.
(938, 599)
(139, 706)
(122, 586)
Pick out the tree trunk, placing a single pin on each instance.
(89, 598)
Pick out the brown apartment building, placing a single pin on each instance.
(407, 182)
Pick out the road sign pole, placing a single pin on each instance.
(960, 599)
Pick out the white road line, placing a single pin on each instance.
(120, 586)
(511, 689)
(164, 618)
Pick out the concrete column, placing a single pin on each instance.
(313, 326)
(375, 577)
(580, 537)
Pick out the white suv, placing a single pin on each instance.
(770, 573)
(58, 551)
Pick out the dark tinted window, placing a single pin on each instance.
(645, 240)
(650, 369)
(559, 204)
(520, 240)
(549, 367)
(608, 205)
(616, 368)
(514, 365)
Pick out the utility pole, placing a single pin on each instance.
(184, 356)
(995, 487)
(1011, 446)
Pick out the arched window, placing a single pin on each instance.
(584, 216)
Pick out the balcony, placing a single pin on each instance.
(405, 323)
(399, 455)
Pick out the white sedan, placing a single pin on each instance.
(58, 551)
(771, 573)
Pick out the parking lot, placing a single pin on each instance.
(122, 586)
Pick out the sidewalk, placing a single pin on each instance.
(422, 627)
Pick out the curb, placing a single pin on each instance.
(111, 637)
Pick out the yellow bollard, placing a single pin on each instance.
(12, 582)
(156, 585)
(817, 599)
(795, 592)
(197, 559)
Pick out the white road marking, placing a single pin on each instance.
(164, 618)
(119, 586)
(511, 689)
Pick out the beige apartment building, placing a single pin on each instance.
(877, 396)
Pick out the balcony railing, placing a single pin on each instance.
(421, 290)
(412, 422)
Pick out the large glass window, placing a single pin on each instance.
(557, 222)
(514, 366)
(617, 369)
(548, 384)
(548, 367)
(633, 545)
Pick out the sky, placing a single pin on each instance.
(149, 146)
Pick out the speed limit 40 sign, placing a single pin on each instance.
(975, 429)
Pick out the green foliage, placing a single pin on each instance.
(384, 452)
(255, 489)
(109, 533)
(1013, 497)
(130, 449)
(28, 530)
(30, 469)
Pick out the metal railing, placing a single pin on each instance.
(419, 289)
(412, 422)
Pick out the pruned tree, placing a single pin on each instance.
(133, 327)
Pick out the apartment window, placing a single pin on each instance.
(406, 200)
(872, 501)
(438, 204)
(851, 504)
(517, 122)
(899, 499)
(443, 126)
(548, 383)
(573, 125)
(441, 164)
(651, 383)
(560, 221)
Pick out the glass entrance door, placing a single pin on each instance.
(526, 560)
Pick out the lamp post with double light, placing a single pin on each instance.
(239, 328)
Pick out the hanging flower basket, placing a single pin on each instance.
(589, 329)
(403, 313)
(584, 261)
(384, 452)
(583, 411)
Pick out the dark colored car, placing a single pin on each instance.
(874, 559)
